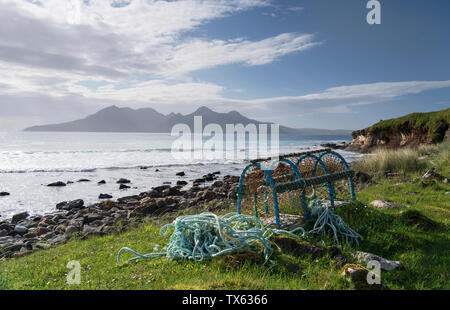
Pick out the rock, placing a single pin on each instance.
(88, 230)
(160, 188)
(30, 235)
(101, 182)
(41, 231)
(181, 174)
(446, 180)
(217, 184)
(123, 186)
(19, 217)
(358, 275)
(182, 183)
(3, 233)
(123, 181)
(339, 261)
(56, 240)
(57, 184)
(42, 245)
(386, 265)
(83, 180)
(2, 194)
(21, 230)
(92, 217)
(432, 174)
(208, 195)
(385, 204)
(172, 191)
(216, 172)
(16, 247)
(298, 248)
(69, 205)
(156, 170)
(49, 235)
(22, 253)
(104, 196)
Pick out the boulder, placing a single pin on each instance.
(182, 183)
(101, 182)
(432, 174)
(385, 204)
(83, 180)
(69, 205)
(57, 184)
(2, 194)
(105, 196)
(385, 264)
(123, 186)
(123, 181)
(19, 217)
(181, 174)
(21, 230)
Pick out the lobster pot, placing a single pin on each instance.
(289, 202)
(252, 190)
(342, 188)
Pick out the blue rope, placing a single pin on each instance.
(206, 235)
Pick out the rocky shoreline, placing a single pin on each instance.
(24, 234)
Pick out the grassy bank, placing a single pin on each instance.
(426, 122)
(422, 247)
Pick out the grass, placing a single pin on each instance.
(426, 122)
(406, 160)
(394, 234)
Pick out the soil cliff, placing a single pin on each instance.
(407, 131)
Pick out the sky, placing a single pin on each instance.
(299, 63)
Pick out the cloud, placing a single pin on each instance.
(116, 41)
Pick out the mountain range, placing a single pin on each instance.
(115, 119)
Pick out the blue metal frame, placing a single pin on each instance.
(272, 185)
(352, 188)
(296, 173)
(318, 160)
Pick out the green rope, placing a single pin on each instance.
(206, 235)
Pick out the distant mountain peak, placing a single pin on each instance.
(203, 110)
(123, 119)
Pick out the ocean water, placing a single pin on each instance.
(31, 160)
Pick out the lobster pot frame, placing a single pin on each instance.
(286, 183)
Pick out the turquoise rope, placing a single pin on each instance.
(327, 219)
(206, 235)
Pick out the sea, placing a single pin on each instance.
(29, 161)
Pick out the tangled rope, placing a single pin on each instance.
(326, 218)
(206, 235)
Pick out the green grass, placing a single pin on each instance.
(426, 122)
(424, 251)
(406, 160)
